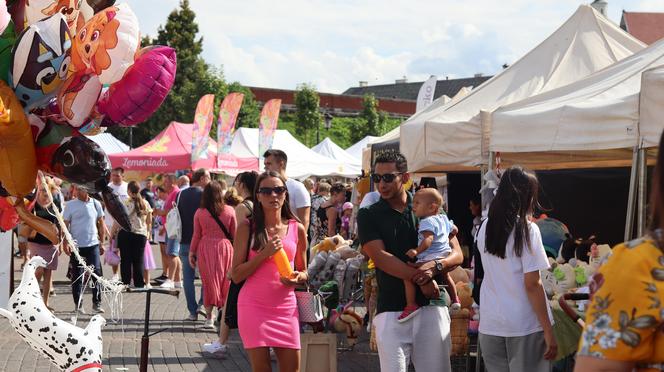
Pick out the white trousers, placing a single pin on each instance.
(425, 339)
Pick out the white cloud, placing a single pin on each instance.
(335, 44)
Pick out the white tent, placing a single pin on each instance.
(452, 136)
(356, 149)
(302, 161)
(109, 143)
(331, 150)
(584, 120)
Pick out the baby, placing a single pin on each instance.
(433, 243)
(345, 219)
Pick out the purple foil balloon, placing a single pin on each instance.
(142, 89)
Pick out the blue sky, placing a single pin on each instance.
(333, 44)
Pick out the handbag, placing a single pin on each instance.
(309, 306)
(230, 317)
(173, 222)
(111, 255)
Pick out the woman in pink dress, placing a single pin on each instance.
(267, 309)
(211, 248)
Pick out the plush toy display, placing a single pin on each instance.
(68, 347)
(346, 320)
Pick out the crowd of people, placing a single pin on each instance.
(230, 234)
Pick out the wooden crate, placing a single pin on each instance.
(319, 352)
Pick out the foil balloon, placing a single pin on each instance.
(77, 98)
(8, 215)
(106, 44)
(143, 88)
(18, 163)
(90, 7)
(5, 17)
(16, 9)
(36, 10)
(40, 61)
(67, 346)
(7, 40)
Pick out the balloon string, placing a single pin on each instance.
(111, 290)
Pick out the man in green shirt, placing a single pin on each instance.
(387, 230)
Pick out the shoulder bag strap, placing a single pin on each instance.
(221, 225)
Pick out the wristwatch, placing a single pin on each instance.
(439, 266)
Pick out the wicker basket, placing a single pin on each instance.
(459, 332)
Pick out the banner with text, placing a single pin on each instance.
(425, 96)
(228, 112)
(268, 125)
(202, 125)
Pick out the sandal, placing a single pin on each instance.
(408, 313)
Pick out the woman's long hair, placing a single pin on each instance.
(514, 201)
(260, 235)
(248, 179)
(656, 196)
(135, 195)
(212, 198)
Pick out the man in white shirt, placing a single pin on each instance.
(298, 196)
(119, 187)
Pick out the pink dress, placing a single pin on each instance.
(214, 253)
(267, 309)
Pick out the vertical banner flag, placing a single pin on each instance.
(268, 125)
(228, 112)
(202, 125)
(425, 96)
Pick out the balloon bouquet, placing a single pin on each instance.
(70, 68)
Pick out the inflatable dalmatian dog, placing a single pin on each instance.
(68, 347)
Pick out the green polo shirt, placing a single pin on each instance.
(398, 231)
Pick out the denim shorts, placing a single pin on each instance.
(172, 247)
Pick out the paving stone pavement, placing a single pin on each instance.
(176, 348)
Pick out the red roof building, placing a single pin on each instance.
(647, 27)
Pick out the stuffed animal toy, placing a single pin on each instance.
(565, 277)
(339, 275)
(349, 322)
(465, 294)
(459, 275)
(327, 272)
(352, 268)
(317, 264)
(575, 248)
(330, 244)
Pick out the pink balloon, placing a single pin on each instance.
(5, 17)
(142, 89)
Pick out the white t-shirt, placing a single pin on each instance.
(121, 191)
(504, 307)
(298, 195)
(369, 199)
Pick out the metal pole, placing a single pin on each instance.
(131, 138)
(145, 340)
(641, 203)
(11, 266)
(318, 132)
(629, 219)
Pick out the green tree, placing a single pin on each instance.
(194, 78)
(249, 112)
(307, 112)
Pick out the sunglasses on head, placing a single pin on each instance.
(269, 190)
(387, 177)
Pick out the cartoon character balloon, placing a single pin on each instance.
(5, 17)
(91, 7)
(40, 61)
(67, 346)
(36, 10)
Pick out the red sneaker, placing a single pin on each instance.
(408, 312)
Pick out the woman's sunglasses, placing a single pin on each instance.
(387, 177)
(269, 190)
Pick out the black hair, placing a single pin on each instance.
(337, 188)
(119, 170)
(278, 154)
(198, 174)
(248, 179)
(514, 201)
(393, 157)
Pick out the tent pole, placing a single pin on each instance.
(630, 198)
(641, 201)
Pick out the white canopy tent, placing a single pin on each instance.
(596, 121)
(452, 136)
(302, 161)
(109, 143)
(357, 149)
(328, 148)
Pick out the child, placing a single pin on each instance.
(347, 212)
(433, 243)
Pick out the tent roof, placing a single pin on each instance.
(599, 112)
(331, 150)
(302, 161)
(169, 151)
(449, 136)
(356, 149)
(109, 143)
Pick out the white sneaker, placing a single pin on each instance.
(148, 285)
(216, 349)
(116, 278)
(209, 324)
(178, 284)
(192, 317)
(167, 284)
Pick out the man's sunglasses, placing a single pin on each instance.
(387, 177)
(269, 190)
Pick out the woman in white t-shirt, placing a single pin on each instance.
(515, 320)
